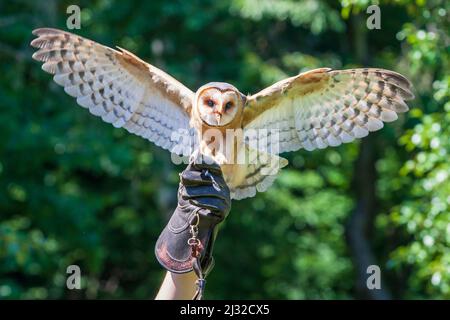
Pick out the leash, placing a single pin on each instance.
(196, 249)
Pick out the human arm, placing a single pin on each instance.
(186, 243)
(177, 286)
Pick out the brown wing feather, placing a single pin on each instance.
(116, 85)
(325, 107)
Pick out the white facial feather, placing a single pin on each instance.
(217, 108)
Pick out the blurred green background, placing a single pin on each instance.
(74, 190)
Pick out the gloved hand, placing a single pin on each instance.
(187, 241)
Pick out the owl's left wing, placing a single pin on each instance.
(117, 86)
(324, 107)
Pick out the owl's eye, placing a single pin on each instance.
(228, 105)
(210, 103)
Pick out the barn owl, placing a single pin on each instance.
(312, 110)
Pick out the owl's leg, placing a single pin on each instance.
(214, 153)
(220, 158)
(205, 150)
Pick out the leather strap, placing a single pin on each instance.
(201, 282)
(196, 251)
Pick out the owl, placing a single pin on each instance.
(244, 133)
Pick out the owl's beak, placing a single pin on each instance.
(218, 117)
(219, 112)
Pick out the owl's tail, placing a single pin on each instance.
(257, 175)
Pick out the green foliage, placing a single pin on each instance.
(317, 16)
(74, 190)
(424, 213)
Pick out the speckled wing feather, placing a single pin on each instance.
(256, 176)
(116, 85)
(325, 107)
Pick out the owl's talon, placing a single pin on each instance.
(220, 159)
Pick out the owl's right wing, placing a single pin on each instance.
(116, 85)
(324, 107)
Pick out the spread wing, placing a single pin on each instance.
(325, 107)
(116, 85)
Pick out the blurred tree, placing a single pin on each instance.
(422, 218)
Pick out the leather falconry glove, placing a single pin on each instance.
(187, 241)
